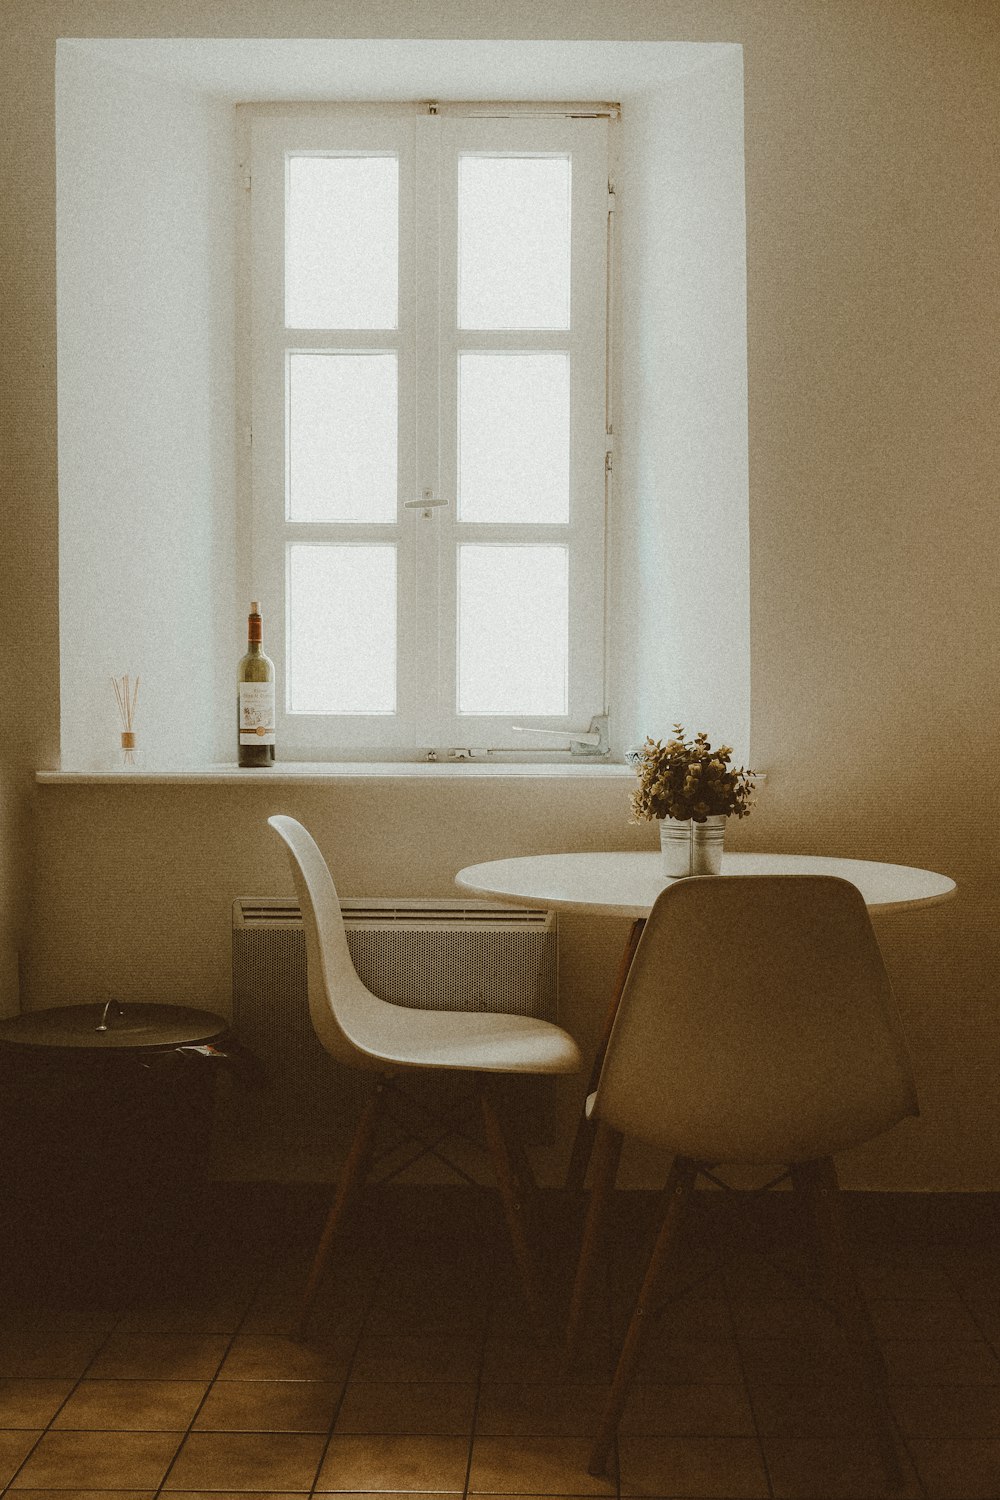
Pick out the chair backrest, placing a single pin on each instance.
(342, 1009)
(757, 1024)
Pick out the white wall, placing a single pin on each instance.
(146, 191)
(684, 407)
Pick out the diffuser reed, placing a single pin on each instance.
(126, 693)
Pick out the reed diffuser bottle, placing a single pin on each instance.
(255, 698)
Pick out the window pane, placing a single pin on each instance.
(513, 437)
(513, 629)
(513, 241)
(342, 437)
(342, 629)
(342, 242)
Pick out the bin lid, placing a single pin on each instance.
(134, 1028)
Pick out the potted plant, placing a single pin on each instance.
(691, 790)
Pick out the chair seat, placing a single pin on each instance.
(471, 1041)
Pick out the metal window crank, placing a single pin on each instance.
(591, 741)
(427, 502)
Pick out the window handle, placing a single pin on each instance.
(595, 735)
(426, 502)
(575, 736)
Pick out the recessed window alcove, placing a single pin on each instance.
(153, 518)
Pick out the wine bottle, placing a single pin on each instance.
(255, 698)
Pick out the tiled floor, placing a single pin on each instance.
(150, 1361)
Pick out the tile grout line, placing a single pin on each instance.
(339, 1404)
(611, 1362)
(738, 1345)
(487, 1326)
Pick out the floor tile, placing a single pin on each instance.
(156, 1356)
(14, 1448)
(778, 1361)
(688, 1361)
(279, 1314)
(943, 1411)
(428, 1409)
(549, 1410)
(940, 1362)
(531, 1361)
(782, 1317)
(269, 1406)
(419, 1357)
(362, 1464)
(31, 1403)
(807, 1410)
(61, 1494)
(921, 1318)
(137, 1405)
(40, 1354)
(972, 1266)
(413, 1312)
(758, 1276)
(687, 1411)
(194, 1315)
(688, 1316)
(888, 1280)
(955, 1469)
(832, 1469)
(246, 1461)
(692, 1467)
(272, 1357)
(98, 1460)
(534, 1466)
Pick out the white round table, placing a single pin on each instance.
(625, 884)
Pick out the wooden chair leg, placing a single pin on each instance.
(519, 1159)
(510, 1193)
(817, 1182)
(680, 1186)
(607, 1154)
(583, 1141)
(352, 1177)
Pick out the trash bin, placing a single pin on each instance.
(105, 1116)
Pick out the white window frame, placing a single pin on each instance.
(427, 345)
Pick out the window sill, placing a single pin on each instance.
(316, 771)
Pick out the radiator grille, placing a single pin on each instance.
(425, 955)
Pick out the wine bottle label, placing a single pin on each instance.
(256, 713)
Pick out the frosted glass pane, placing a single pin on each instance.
(513, 629)
(342, 242)
(513, 241)
(342, 437)
(342, 629)
(513, 437)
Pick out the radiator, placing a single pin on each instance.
(425, 954)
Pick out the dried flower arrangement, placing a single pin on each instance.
(688, 779)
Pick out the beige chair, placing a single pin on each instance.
(362, 1031)
(756, 1026)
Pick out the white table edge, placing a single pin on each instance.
(476, 880)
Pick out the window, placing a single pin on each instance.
(430, 423)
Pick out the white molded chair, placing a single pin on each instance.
(757, 1025)
(362, 1031)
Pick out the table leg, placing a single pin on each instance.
(583, 1143)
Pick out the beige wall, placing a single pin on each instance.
(872, 294)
